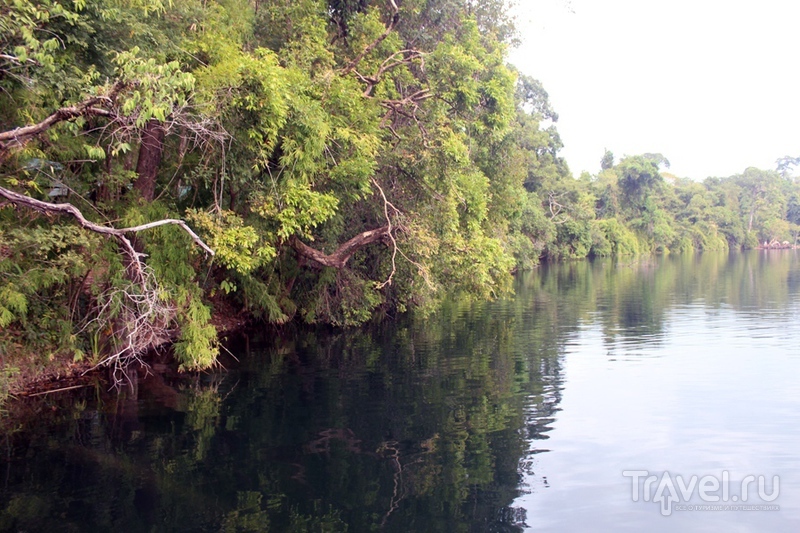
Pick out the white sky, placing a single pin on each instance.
(713, 85)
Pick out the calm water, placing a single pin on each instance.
(513, 416)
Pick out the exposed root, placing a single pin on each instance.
(142, 321)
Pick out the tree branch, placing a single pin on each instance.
(17, 61)
(339, 258)
(96, 105)
(50, 208)
(409, 55)
(395, 17)
(386, 205)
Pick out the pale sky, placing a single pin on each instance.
(713, 85)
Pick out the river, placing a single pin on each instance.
(648, 393)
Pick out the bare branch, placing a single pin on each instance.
(386, 204)
(50, 208)
(18, 61)
(407, 107)
(557, 209)
(339, 258)
(412, 99)
(409, 55)
(141, 323)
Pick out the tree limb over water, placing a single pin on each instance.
(51, 208)
(339, 258)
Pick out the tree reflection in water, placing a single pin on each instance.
(419, 424)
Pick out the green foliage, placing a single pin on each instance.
(340, 298)
(153, 88)
(237, 246)
(316, 122)
(7, 375)
(298, 210)
(262, 300)
(532, 231)
(13, 305)
(171, 258)
(42, 271)
(617, 239)
(24, 37)
(638, 178)
(197, 346)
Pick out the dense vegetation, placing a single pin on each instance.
(343, 160)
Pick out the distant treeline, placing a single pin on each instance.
(635, 206)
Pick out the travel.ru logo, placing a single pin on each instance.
(706, 493)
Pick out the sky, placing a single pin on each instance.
(712, 85)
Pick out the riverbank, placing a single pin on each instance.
(34, 375)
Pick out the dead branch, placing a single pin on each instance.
(339, 258)
(407, 107)
(412, 99)
(140, 324)
(557, 209)
(50, 208)
(386, 205)
(63, 389)
(17, 61)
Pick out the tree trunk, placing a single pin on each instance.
(233, 196)
(150, 153)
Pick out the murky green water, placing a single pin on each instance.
(511, 416)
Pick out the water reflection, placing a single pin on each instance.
(458, 421)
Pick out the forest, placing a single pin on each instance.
(164, 164)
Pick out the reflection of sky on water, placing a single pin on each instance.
(717, 389)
